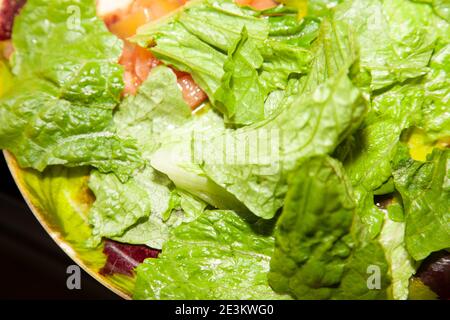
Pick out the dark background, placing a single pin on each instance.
(32, 266)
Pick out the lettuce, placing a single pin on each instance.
(436, 116)
(67, 82)
(154, 113)
(396, 41)
(217, 256)
(225, 58)
(424, 188)
(322, 251)
(139, 211)
(335, 50)
(241, 94)
(251, 163)
(290, 88)
(440, 7)
(401, 264)
(373, 145)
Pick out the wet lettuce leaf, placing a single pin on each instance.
(373, 145)
(440, 7)
(424, 188)
(395, 37)
(224, 59)
(154, 113)
(336, 49)
(66, 85)
(124, 258)
(436, 115)
(401, 265)
(140, 210)
(322, 248)
(252, 163)
(421, 103)
(119, 206)
(217, 256)
(241, 93)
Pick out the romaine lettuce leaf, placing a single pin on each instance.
(425, 191)
(373, 145)
(401, 264)
(440, 7)
(241, 94)
(154, 113)
(119, 206)
(140, 210)
(237, 84)
(396, 41)
(322, 251)
(251, 163)
(217, 256)
(436, 114)
(67, 82)
(281, 62)
(303, 125)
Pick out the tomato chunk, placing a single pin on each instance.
(192, 93)
(138, 61)
(257, 4)
(125, 22)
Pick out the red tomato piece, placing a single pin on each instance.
(258, 4)
(192, 93)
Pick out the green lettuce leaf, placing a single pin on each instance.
(251, 163)
(224, 59)
(396, 41)
(281, 62)
(142, 210)
(436, 115)
(241, 94)
(217, 256)
(440, 7)
(154, 113)
(425, 191)
(335, 50)
(373, 145)
(288, 30)
(322, 8)
(401, 265)
(67, 82)
(321, 248)
(119, 206)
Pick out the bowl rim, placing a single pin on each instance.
(66, 247)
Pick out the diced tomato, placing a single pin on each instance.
(155, 9)
(137, 63)
(192, 93)
(124, 23)
(258, 4)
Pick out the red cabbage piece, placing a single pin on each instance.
(435, 273)
(8, 10)
(123, 258)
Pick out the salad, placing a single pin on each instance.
(221, 149)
